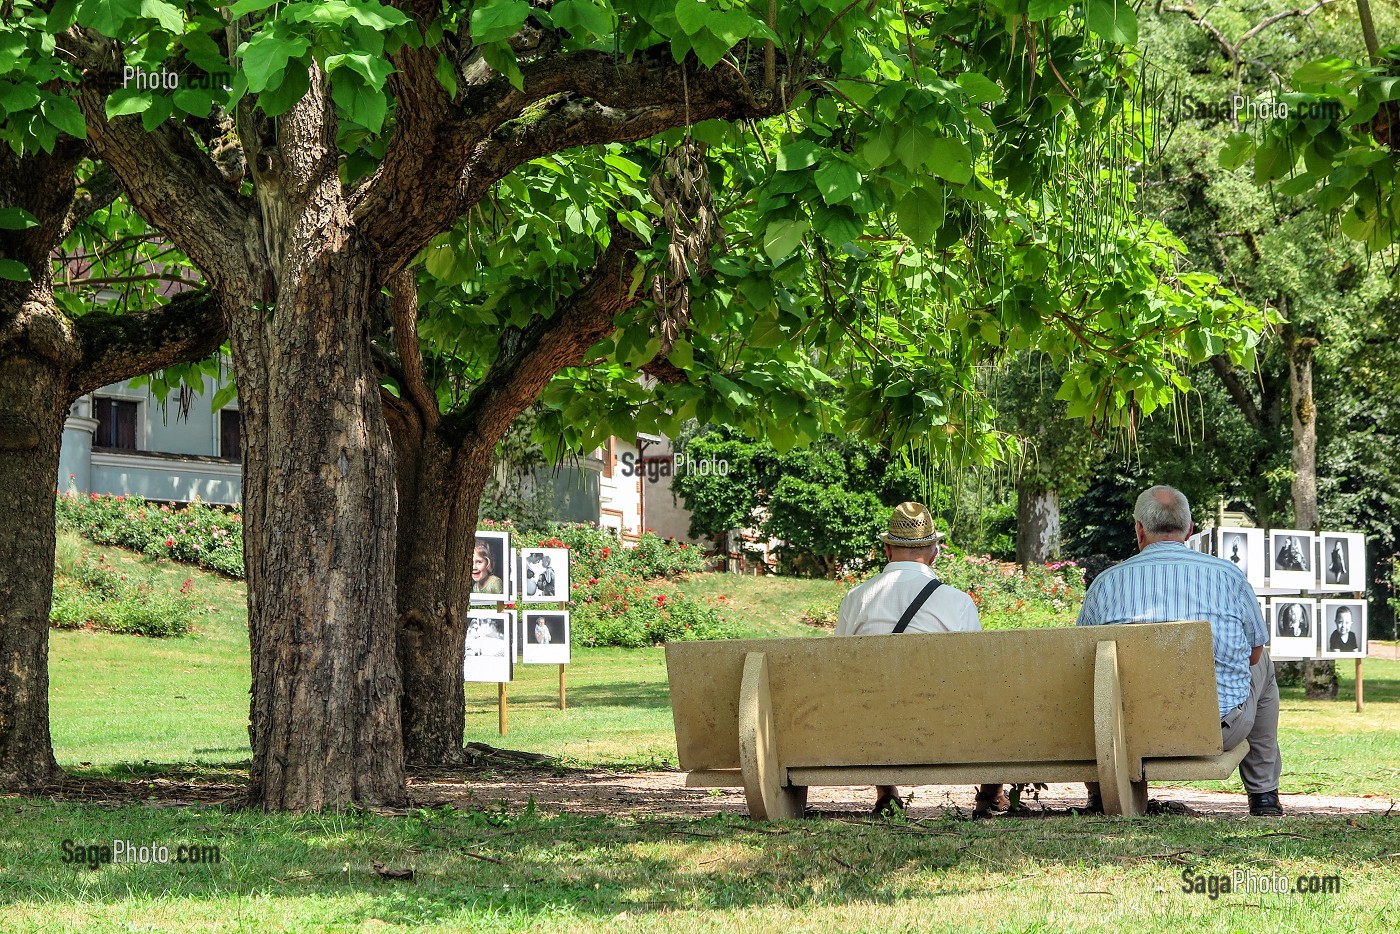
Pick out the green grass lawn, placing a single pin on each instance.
(126, 705)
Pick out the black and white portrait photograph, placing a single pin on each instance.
(490, 654)
(1293, 628)
(1244, 548)
(1343, 564)
(1291, 560)
(544, 575)
(490, 567)
(1344, 628)
(545, 637)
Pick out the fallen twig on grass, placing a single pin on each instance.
(484, 858)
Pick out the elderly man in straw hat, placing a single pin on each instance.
(908, 597)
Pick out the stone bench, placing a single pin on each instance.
(1120, 705)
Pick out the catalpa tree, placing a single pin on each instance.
(308, 152)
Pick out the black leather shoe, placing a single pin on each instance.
(888, 806)
(1265, 804)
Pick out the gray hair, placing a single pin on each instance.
(1163, 509)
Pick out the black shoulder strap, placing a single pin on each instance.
(917, 605)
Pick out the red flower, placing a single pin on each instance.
(170, 543)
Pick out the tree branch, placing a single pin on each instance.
(118, 347)
(98, 192)
(403, 309)
(1244, 401)
(445, 157)
(548, 345)
(170, 180)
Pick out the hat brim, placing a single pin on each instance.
(898, 542)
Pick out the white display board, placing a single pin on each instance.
(1343, 629)
(545, 637)
(544, 575)
(490, 648)
(1341, 562)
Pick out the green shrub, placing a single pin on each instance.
(91, 593)
(208, 536)
(1006, 596)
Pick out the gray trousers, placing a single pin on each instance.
(1257, 721)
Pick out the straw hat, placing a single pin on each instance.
(911, 526)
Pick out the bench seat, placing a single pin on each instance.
(1120, 705)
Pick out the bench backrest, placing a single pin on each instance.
(1013, 696)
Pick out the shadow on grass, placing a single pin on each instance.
(525, 866)
(613, 694)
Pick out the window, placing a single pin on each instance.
(116, 423)
(230, 440)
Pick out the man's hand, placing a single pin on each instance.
(1255, 653)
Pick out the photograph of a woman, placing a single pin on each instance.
(490, 567)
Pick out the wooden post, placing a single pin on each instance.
(562, 702)
(1359, 705)
(501, 701)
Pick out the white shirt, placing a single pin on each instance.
(874, 607)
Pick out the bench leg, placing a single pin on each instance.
(1121, 795)
(764, 776)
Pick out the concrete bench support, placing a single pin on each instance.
(1122, 794)
(766, 785)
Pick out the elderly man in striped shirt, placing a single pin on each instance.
(1167, 581)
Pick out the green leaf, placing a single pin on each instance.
(920, 215)
(166, 14)
(837, 179)
(1114, 20)
(446, 74)
(14, 271)
(196, 102)
(694, 15)
(365, 105)
(979, 88)
(1044, 9)
(1327, 71)
(63, 113)
(244, 7)
(62, 15)
(583, 17)
(160, 110)
(495, 20)
(800, 154)
(837, 225)
(108, 16)
(1273, 163)
(17, 219)
(126, 101)
(265, 57)
(951, 159)
(1236, 151)
(782, 237)
(501, 57)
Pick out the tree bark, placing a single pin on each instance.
(439, 495)
(32, 412)
(1037, 524)
(320, 514)
(1319, 677)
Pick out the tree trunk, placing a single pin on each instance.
(319, 506)
(32, 411)
(439, 495)
(1037, 525)
(1319, 677)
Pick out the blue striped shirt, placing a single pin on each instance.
(1167, 581)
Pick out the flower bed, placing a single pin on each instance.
(208, 536)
